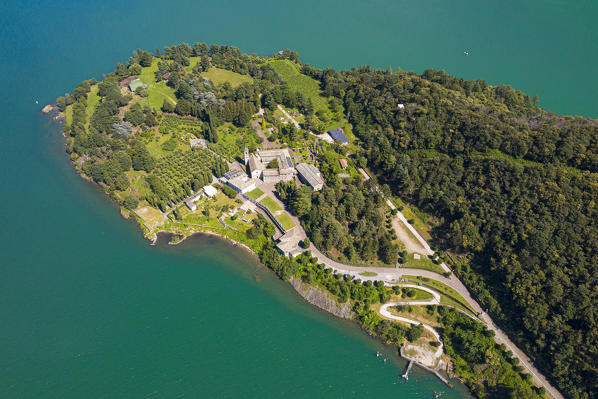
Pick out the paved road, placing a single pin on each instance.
(393, 275)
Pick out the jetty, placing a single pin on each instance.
(406, 375)
(431, 370)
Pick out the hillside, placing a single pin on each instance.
(513, 188)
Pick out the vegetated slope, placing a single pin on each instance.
(514, 185)
(289, 72)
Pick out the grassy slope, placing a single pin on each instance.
(423, 263)
(309, 87)
(157, 92)
(445, 289)
(219, 76)
(92, 100)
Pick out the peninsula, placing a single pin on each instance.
(423, 207)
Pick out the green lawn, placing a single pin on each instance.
(157, 94)
(68, 114)
(285, 221)
(92, 100)
(255, 194)
(420, 295)
(368, 274)
(219, 76)
(424, 263)
(155, 147)
(271, 205)
(157, 91)
(458, 301)
(289, 72)
(192, 62)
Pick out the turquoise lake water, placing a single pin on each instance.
(89, 309)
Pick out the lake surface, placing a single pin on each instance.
(89, 309)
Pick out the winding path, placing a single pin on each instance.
(384, 311)
(394, 275)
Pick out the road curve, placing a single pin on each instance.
(393, 275)
(384, 312)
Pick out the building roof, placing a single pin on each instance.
(166, 76)
(338, 135)
(210, 191)
(233, 173)
(343, 163)
(311, 174)
(254, 164)
(242, 183)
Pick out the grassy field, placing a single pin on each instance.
(154, 146)
(458, 302)
(419, 313)
(151, 216)
(92, 101)
(424, 263)
(219, 76)
(285, 221)
(368, 274)
(255, 194)
(420, 295)
(309, 87)
(157, 92)
(270, 204)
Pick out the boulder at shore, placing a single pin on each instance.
(47, 109)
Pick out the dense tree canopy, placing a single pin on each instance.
(511, 184)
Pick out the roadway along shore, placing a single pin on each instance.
(393, 275)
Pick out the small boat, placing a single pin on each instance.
(377, 354)
(466, 52)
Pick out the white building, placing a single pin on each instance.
(210, 191)
(242, 184)
(190, 202)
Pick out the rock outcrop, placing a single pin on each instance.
(322, 299)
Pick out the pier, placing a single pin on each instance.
(406, 375)
(433, 371)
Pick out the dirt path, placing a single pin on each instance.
(384, 312)
(289, 117)
(411, 243)
(265, 142)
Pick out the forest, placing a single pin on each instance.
(513, 186)
(346, 219)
